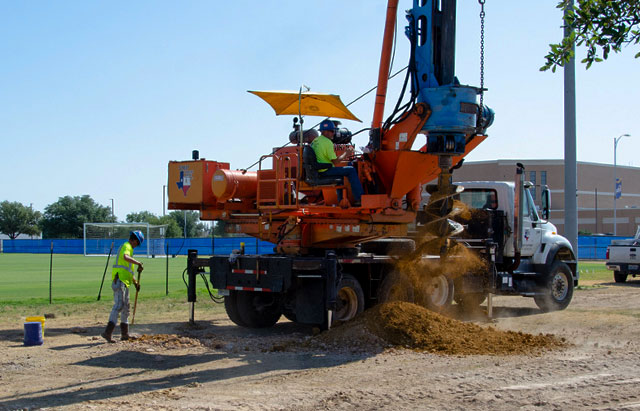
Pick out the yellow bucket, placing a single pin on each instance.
(39, 319)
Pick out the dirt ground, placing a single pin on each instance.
(216, 365)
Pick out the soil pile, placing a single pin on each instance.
(406, 325)
(167, 341)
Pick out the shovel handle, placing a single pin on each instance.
(135, 302)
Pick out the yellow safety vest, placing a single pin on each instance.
(122, 267)
(323, 147)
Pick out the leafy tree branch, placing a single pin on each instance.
(601, 26)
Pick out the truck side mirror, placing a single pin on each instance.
(545, 196)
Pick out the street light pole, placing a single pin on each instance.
(112, 213)
(570, 144)
(164, 192)
(615, 180)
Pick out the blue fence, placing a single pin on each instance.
(169, 246)
(589, 247)
(43, 246)
(595, 247)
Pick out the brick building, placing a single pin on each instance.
(595, 190)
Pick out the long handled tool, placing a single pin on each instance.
(135, 302)
(105, 271)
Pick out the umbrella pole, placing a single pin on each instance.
(299, 173)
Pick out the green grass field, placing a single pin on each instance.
(594, 271)
(24, 278)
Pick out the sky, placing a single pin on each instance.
(97, 97)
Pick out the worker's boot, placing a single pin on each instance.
(108, 332)
(124, 331)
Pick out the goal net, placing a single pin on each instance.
(100, 237)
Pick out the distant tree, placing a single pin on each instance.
(219, 229)
(173, 229)
(16, 219)
(195, 228)
(601, 26)
(142, 217)
(65, 218)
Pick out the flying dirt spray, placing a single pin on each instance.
(437, 258)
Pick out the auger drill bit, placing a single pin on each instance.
(439, 209)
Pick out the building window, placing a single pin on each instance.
(532, 179)
(543, 178)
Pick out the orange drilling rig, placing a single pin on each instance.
(319, 271)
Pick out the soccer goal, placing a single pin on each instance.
(99, 238)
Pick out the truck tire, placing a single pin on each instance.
(350, 301)
(557, 291)
(396, 287)
(620, 276)
(258, 309)
(231, 306)
(469, 301)
(436, 293)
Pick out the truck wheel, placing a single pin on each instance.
(395, 287)
(258, 309)
(231, 306)
(470, 300)
(558, 290)
(437, 293)
(350, 301)
(620, 276)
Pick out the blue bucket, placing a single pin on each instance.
(33, 333)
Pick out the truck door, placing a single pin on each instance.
(531, 230)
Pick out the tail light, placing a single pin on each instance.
(607, 253)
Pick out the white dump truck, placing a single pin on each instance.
(526, 254)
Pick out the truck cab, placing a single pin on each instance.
(537, 235)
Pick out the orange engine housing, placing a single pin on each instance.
(228, 184)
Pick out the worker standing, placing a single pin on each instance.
(325, 153)
(122, 276)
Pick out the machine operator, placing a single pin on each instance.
(325, 153)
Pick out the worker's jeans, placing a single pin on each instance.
(352, 175)
(120, 302)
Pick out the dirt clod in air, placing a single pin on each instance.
(406, 325)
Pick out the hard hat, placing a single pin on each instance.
(327, 125)
(138, 234)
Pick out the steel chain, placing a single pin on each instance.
(482, 14)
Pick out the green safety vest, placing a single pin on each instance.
(122, 267)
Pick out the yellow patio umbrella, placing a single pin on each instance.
(304, 103)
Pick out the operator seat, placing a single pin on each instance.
(311, 167)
